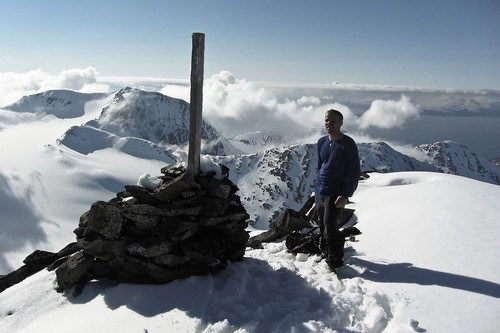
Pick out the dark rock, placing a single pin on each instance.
(56, 263)
(214, 206)
(173, 170)
(40, 259)
(104, 219)
(165, 210)
(73, 269)
(174, 188)
(151, 247)
(100, 269)
(234, 213)
(289, 221)
(175, 231)
(177, 228)
(34, 263)
(84, 218)
(103, 249)
(142, 221)
(68, 250)
(170, 259)
(217, 188)
(129, 228)
(140, 271)
(142, 194)
(79, 232)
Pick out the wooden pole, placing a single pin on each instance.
(196, 103)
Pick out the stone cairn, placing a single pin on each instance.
(187, 226)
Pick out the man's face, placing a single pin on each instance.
(332, 123)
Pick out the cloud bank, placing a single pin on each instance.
(389, 114)
(14, 86)
(234, 106)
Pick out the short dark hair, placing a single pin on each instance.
(337, 113)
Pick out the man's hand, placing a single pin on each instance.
(340, 202)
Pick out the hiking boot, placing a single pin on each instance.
(334, 264)
(335, 270)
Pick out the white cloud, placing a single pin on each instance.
(389, 113)
(233, 106)
(13, 86)
(72, 79)
(309, 100)
(236, 106)
(176, 91)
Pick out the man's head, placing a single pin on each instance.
(333, 121)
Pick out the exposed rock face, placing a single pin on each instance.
(187, 226)
(34, 263)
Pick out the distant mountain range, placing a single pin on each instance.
(151, 125)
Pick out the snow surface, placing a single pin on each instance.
(428, 259)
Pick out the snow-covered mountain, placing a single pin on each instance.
(457, 159)
(283, 177)
(129, 116)
(60, 103)
(53, 169)
(154, 126)
(258, 140)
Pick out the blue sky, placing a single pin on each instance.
(426, 43)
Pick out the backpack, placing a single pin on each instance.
(308, 242)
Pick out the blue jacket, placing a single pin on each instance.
(338, 167)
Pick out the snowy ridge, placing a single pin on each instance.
(272, 180)
(132, 113)
(380, 157)
(454, 158)
(258, 140)
(151, 125)
(283, 177)
(148, 116)
(60, 103)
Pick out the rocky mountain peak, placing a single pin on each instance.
(150, 116)
(454, 158)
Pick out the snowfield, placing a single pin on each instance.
(427, 261)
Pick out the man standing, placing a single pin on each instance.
(336, 180)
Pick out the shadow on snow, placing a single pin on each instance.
(249, 294)
(407, 273)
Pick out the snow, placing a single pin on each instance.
(149, 182)
(427, 259)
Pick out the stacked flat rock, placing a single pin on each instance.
(186, 226)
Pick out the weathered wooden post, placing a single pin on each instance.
(196, 103)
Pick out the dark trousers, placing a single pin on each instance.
(332, 239)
